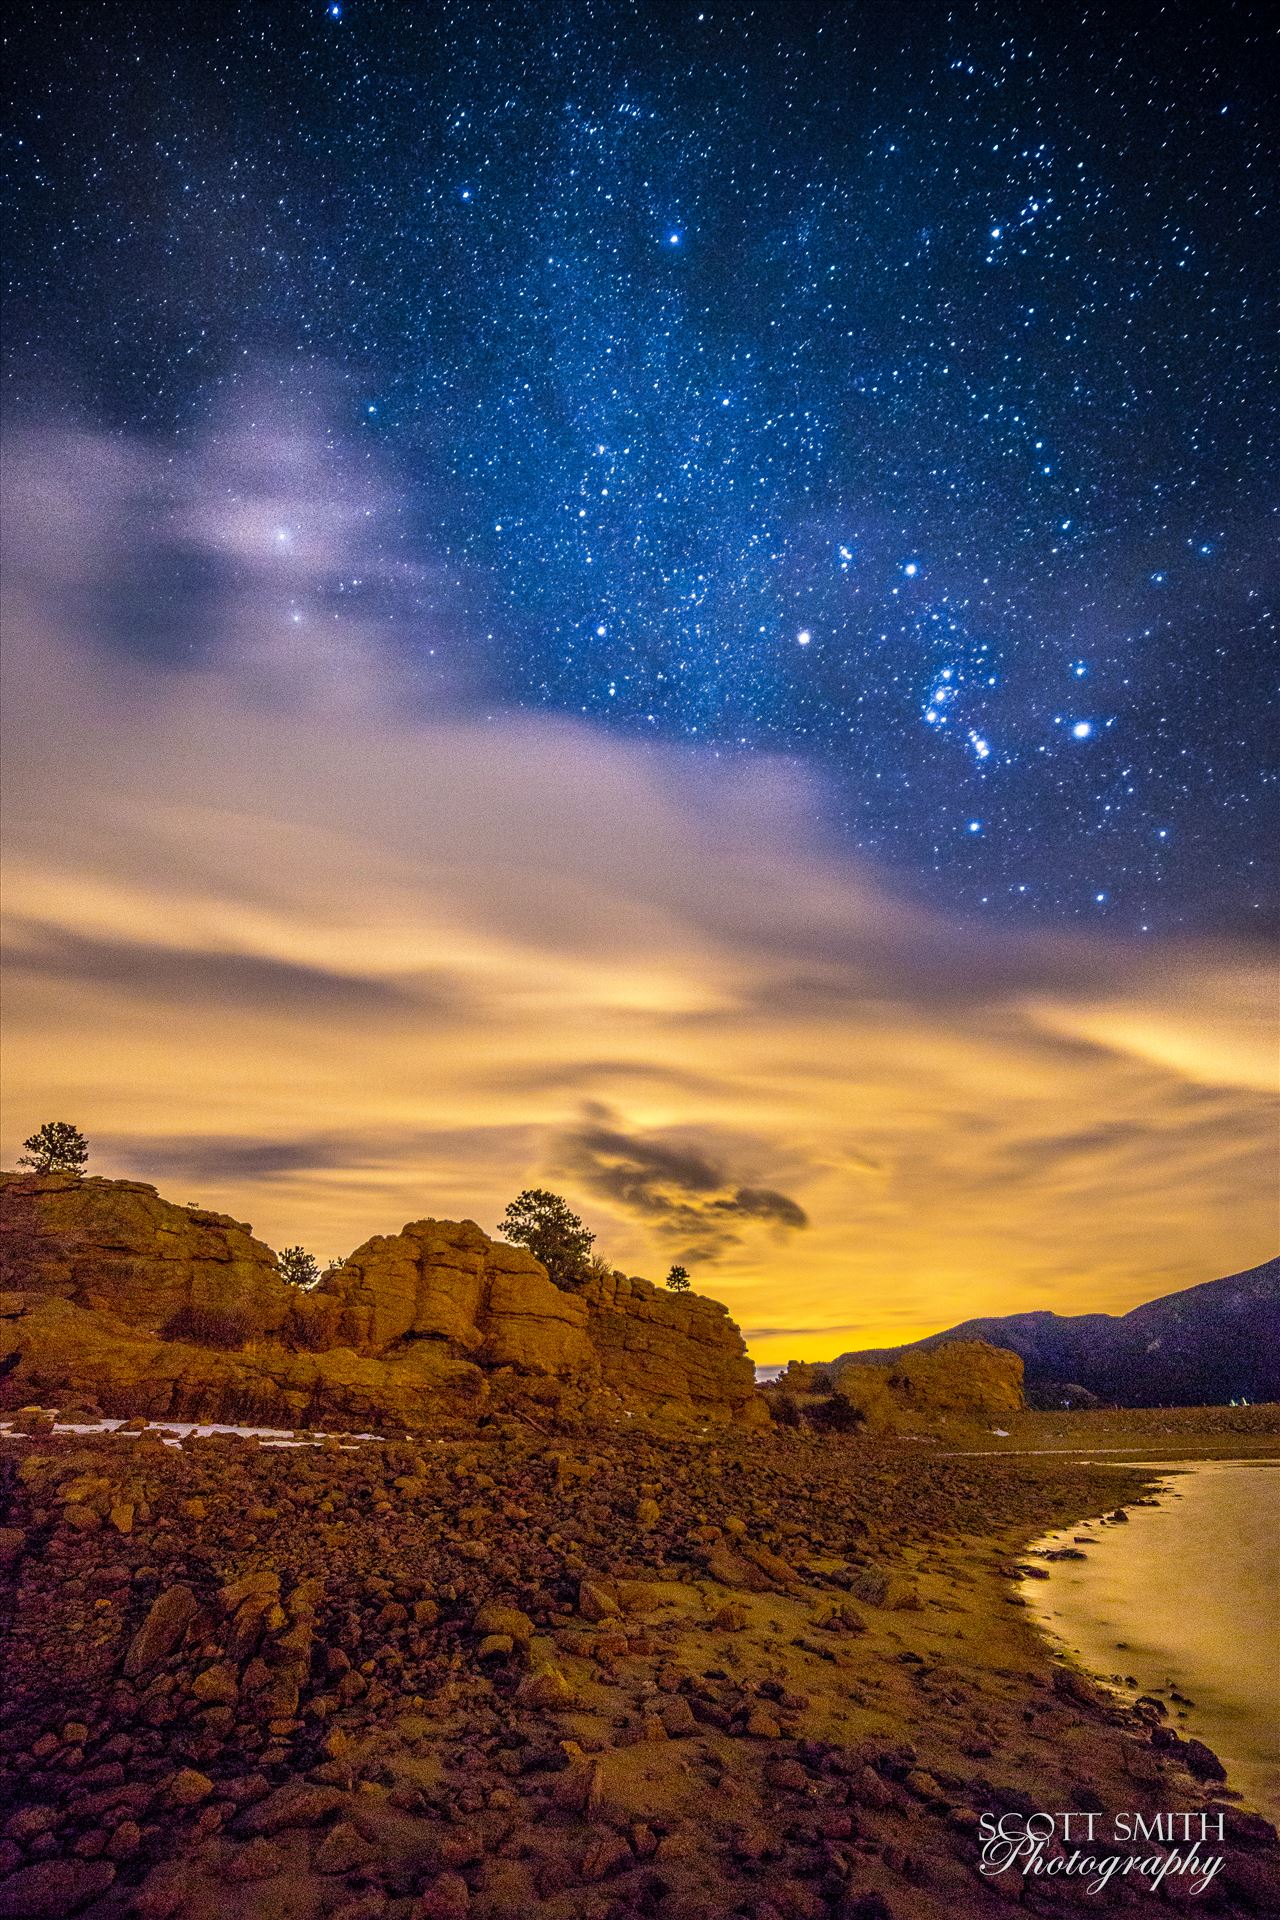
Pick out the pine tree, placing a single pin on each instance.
(298, 1267)
(553, 1233)
(57, 1147)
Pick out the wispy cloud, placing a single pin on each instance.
(200, 976)
(345, 947)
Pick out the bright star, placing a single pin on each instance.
(804, 636)
(1082, 729)
(673, 239)
(911, 569)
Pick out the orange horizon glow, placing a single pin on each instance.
(285, 940)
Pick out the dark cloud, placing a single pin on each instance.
(797, 1333)
(200, 977)
(677, 1188)
(224, 1158)
(766, 1203)
(216, 1157)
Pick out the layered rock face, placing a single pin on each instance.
(965, 1380)
(115, 1246)
(117, 1297)
(971, 1377)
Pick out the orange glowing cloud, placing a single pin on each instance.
(292, 934)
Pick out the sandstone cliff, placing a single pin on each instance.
(117, 1297)
(967, 1380)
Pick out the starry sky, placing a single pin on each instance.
(843, 438)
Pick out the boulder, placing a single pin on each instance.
(52, 1889)
(679, 1350)
(171, 1614)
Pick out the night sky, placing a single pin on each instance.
(673, 605)
(887, 388)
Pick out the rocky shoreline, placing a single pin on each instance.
(504, 1673)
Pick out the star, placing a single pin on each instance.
(697, 499)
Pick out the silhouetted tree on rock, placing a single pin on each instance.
(299, 1267)
(678, 1280)
(553, 1233)
(57, 1147)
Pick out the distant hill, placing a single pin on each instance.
(1203, 1347)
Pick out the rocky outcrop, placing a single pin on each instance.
(120, 1298)
(967, 1380)
(646, 1338)
(970, 1378)
(115, 1246)
(1212, 1344)
(446, 1282)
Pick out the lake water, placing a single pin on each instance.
(1185, 1599)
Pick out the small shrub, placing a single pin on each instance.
(208, 1326)
(784, 1409)
(835, 1414)
(678, 1280)
(307, 1329)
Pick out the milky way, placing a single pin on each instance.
(890, 390)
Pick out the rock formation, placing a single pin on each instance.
(967, 1380)
(117, 1297)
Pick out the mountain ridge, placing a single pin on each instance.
(1207, 1344)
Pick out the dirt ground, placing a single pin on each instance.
(511, 1674)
